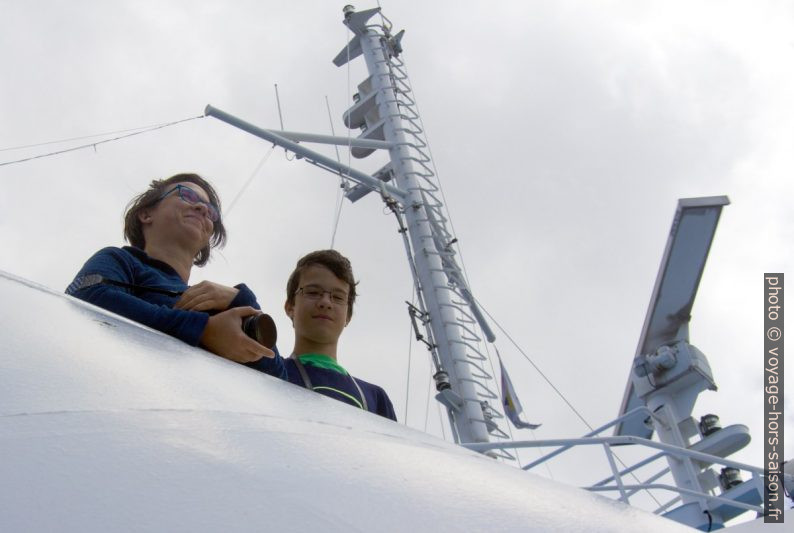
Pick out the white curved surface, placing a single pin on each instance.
(106, 425)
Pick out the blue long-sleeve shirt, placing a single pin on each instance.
(133, 266)
(335, 382)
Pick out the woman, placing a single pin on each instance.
(171, 227)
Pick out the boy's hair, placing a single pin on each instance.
(333, 261)
(133, 229)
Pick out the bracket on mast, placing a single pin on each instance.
(357, 22)
(384, 174)
(415, 313)
(370, 144)
(449, 398)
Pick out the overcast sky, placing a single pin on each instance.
(564, 133)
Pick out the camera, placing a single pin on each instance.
(261, 328)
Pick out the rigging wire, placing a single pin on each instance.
(249, 180)
(382, 18)
(560, 394)
(347, 91)
(281, 120)
(343, 183)
(340, 198)
(410, 351)
(333, 133)
(531, 362)
(541, 451)
(278, 105)
(441, 421)
(95, 144)
(338, 213)
(80, 138)
(427, 403)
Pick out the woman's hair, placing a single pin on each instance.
(133, 229)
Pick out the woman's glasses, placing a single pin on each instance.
(190, 196)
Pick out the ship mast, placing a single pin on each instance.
(386, 110)
(445, 317)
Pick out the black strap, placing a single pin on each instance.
(308, 382)
(302, 370)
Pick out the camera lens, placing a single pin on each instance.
(261, 328)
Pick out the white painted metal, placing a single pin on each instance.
(330, 139)
(668, 373)
(432, 259)
(106, 425)
(731, 503)
(673, 296)
(310, 155)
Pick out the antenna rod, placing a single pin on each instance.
(278, 104)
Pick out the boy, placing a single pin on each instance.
(320, 296)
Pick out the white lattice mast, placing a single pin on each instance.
(385, 110)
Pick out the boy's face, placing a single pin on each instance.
(319, 320)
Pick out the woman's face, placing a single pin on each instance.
(183, 215)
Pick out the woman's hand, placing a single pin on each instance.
(207, 296)
(224, 336)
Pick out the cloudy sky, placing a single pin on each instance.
(563, 132)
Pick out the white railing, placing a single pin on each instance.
(626, 491)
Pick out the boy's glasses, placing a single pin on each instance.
(190, 196)
(313, 292)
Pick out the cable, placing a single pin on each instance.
(441, 421)
(555, 389)
(427, 404)
(249, 180)
(278, 105)
(281, 121)
(541, 452)
(560, 394)
(333, 132)
(337, 216)
(80, 138)
(94, 145)
(342, 180)
(410, 350)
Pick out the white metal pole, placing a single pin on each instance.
(469, 420)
